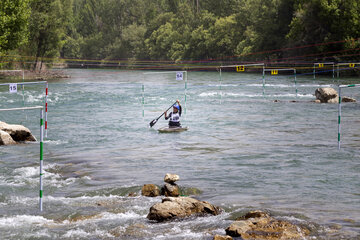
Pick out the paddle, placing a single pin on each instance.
(153, 122)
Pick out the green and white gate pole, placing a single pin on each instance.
(41, 155)
(220, 86)
(185, 92)
(314, 71)
(339, 118)
(263, 81)
(339, 110)
(41, 144)
(296, 90)
(143, 101)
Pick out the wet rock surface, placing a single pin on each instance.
(171, 178)
(327, 95)
(348, 99)
(180, 207)
(18, 133)
(6, 139)
(150, 190)
(260, 225)
(170, 190)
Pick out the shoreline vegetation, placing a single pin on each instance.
(167, 34)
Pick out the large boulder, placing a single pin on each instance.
(180, 207)
(327, 95)
(150, 190)
(5, 138)
(259, 225)
(18, 133)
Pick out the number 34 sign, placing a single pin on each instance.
(13, 88)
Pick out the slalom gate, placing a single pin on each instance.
(13, 88)
(41, 145)
(275, 72)
(339, 109)
(239, 68)
(345, 66)
(323, 66)
(178, 76)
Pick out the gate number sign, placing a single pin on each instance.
(13, 88)
(179, 76)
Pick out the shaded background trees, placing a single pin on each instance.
(176, 30)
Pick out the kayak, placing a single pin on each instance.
(172, 129)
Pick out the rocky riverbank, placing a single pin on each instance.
(35, 75)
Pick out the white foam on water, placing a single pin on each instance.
(30, 175)
(179, 233)
(79, 233)
(271, 85)
(293, 95)
(208, 94)
(34, 98)
(41, 233)
(67, 200)
(121, 216)
(223, 85)
(23, 220)
(55, 142)
(76, 233)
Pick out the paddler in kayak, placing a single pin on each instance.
(175, 115)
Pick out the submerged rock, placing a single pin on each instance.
(18, 133)
(259, 225)
(5, 138)
(327, 95)
(150, 190)
(136, 231)
(180, 207)
(348, 99)
(220, 237)
(171, 178)
(170, 190)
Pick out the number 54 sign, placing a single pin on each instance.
(179, 76)
(13, 88)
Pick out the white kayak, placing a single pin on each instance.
(172, 129)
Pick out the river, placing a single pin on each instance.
(243, 151)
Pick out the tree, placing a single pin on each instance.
(317, 21)
(47, 30)
(14, 16)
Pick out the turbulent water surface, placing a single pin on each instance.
(243, 151)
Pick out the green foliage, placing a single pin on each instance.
(325, 20)
(175, 29)
(14, 16)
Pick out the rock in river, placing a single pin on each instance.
(5, 138)
(150, 190)
(18, 133)
(171, 178)
(180, 207)
(259, 225)
(348, 99)
(170, 190)
(327, 95)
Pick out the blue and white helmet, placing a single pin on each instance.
(176, 106)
